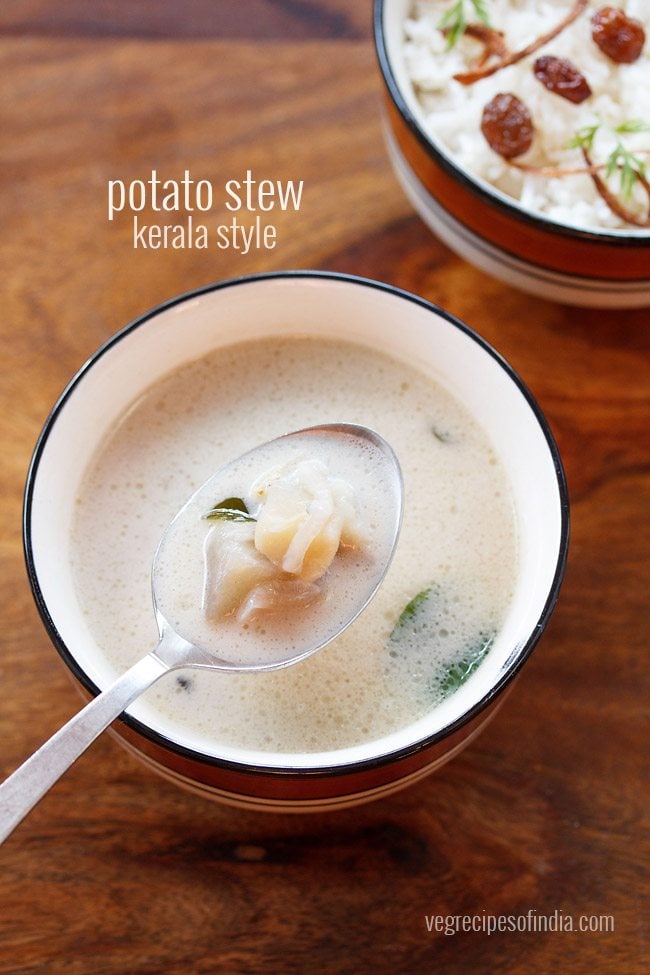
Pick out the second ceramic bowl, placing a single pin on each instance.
(603, 269)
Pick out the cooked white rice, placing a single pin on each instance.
(452, 111)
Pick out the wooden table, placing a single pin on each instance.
(119, 872)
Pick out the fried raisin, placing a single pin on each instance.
(618, 36)
(562, 78)
(507, 125)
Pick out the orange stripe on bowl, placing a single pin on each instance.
(582, 255)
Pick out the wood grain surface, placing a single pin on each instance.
(119, 872)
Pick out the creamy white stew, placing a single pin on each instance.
(439, 608)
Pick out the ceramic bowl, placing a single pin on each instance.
(606, 269)
(318, 304)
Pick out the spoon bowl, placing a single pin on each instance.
(185, 644)
(357, 454)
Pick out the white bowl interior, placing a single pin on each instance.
(349, 310)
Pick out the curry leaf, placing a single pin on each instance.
(230, 509)
(457, 673)
(409, 615)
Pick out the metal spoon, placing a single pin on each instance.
(29, 783)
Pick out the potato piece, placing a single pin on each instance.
(319, 554)
(278, 596)
(304, 517)
(232, 567)
(280, 517)
(298, 527)
(352, 532)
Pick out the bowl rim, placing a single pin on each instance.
(523, 650)
(481, 189)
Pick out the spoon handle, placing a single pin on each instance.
(29, 783)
